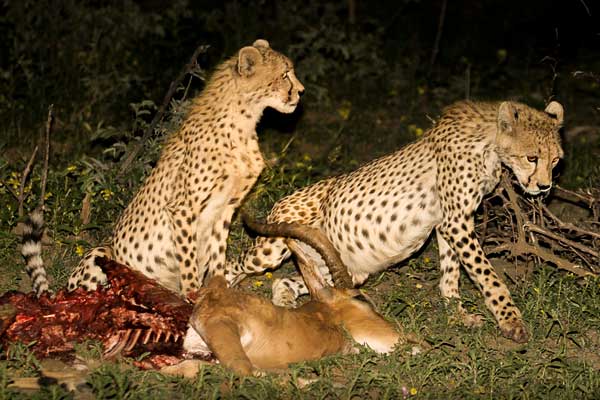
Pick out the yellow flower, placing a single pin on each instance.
(71, 168)
(269, 275)
(106, 194)
(419, 286)
(501, 55)
(79, 250)
(14, 180)
(344, 110)
(426, 260)
(47, 195)
(257, 284)
(413, 391)
(412, 128)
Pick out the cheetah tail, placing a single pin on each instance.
(311, 236)
(32, 252)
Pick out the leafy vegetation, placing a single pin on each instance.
(370, 89)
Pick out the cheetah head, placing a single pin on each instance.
(529, 143)
(267, 78)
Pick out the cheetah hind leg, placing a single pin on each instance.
(87, 274)
(266, 254)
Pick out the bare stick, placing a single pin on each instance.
(569, 226)
(438, 35)
(574, 197)
(519, 249)
(49, 123)
(24, 176)
(514, 202)
(190, 66)
(534, 228)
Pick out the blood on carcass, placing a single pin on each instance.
(132, 315)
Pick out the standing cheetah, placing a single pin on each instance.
(381, 213)
(175, 228)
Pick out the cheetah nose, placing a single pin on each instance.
(300, 92)
(544, 188)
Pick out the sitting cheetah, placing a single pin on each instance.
(175, 228)
(381, 213)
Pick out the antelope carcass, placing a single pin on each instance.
(248, 333)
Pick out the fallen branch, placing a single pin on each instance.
(522, 228)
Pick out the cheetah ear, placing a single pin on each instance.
(507, 117)
(248, 58)
(261, 43)
(556, 111)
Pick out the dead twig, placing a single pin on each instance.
(575, 197)
(525, 248)
(438, 35)
(49, 123)
(24, 176)
(535, 228)
(567, 225)
(525, 228)
(188, 68)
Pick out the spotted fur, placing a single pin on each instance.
(175, 228)
(381, 213)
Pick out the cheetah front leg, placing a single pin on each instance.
(215, 251)
(458, 230)
(450, 267)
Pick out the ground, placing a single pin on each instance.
(562, 312)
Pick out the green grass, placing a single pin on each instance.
(561, 360)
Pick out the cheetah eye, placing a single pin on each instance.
(532, 159)
(285, 75)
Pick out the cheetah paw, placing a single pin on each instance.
(467, 319)
(283, 296)
(472, 320)
(515, 330)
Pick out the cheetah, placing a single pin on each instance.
(381, 213)
(175, 229)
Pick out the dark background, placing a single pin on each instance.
(93, 59)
